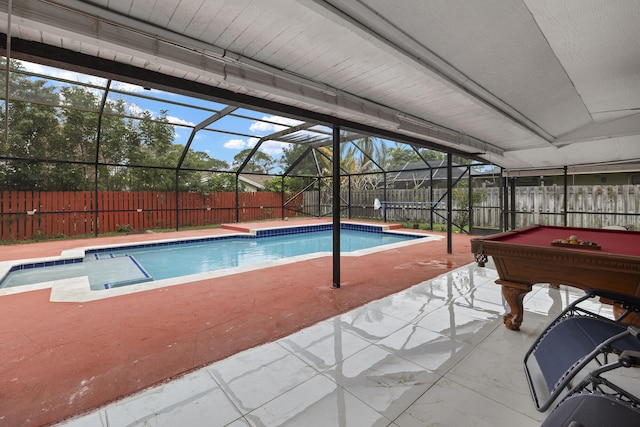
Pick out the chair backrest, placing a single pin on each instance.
(573, 339)
(593, 409)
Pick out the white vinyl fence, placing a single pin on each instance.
(592, 206)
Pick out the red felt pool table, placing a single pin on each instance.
(526, 256)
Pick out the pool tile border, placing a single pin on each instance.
(40, 264)
(269, 232)
(77, 293)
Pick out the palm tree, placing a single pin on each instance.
(357, 158)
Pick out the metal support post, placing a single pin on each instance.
(449, 202)
(336, 206)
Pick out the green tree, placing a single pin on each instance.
(460, 198)
(78, 117)
(222, 182)
(53, 143)
(118, 143)
(156, 134)
(217, 165)
(400, 155)
(196, 180)
(291, 184)
(361, 160)
(302, 175)
(259, 163)
(33, 127)
(305, 165)
(152, 147)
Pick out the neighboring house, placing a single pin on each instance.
(253, 182)
(249, 182)
(422, 175)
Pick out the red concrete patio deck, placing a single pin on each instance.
(61, 359)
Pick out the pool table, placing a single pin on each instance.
(531, 255)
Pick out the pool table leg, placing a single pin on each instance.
(514, 294)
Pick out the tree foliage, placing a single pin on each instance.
(259, 162)
(57, 136)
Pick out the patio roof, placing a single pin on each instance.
(524, 85)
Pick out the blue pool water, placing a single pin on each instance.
(113, 267)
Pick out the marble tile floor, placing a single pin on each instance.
(435, 354)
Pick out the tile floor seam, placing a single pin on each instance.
(468, 354)
(490, 398)
(394, 354)
(346, 390)
(232, 401)
(412, 321)
(244, 412)
(418, 398)
(320, 372)
(295, 354)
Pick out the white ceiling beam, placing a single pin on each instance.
(624, 126)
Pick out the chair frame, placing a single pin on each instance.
(597, 387)
(600, 354)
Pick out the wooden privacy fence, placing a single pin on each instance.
(28, 215)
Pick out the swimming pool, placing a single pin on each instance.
(112, 267)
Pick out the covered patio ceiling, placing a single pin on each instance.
(528, 85)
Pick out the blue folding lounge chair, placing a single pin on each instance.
(598, 402)
(575, 340)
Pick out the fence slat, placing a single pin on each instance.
(4, 218)
(30, 218)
